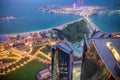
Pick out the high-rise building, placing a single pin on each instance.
(62, 61)
(101, 58)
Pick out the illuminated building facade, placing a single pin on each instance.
(101, 59)
(62, 61)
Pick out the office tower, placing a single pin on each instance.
(101, 58)
(62, 61)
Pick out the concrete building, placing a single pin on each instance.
(62, 61)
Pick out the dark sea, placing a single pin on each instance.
(29, 19)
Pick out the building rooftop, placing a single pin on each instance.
(106, 54)
(96, 35)
(64, 45)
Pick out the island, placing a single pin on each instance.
(80, 11)
(8, 18)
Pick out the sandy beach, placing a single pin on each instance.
(60, 27)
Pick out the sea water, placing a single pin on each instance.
(29, 19)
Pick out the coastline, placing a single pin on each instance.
(60, 27)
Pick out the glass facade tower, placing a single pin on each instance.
(62, 61)
(100, 60)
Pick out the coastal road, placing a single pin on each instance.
(92, 25)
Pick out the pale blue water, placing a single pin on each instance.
(108, 23)
(29, 19)
(75, 47)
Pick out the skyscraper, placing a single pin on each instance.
(62, 61)
(101, 58)
(80, 3)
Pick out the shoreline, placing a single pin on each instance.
(60, 27)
